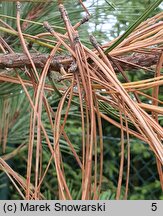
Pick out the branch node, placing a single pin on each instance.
(85, 19)
(94, 41)
(73, 67)
(76, 37)
(18, 6)
(64, 14)
(48, 27)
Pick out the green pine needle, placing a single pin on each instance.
(134, 25)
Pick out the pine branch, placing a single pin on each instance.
(19, 60)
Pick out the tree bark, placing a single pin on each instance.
(19, 60)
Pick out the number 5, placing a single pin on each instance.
(154, 207)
